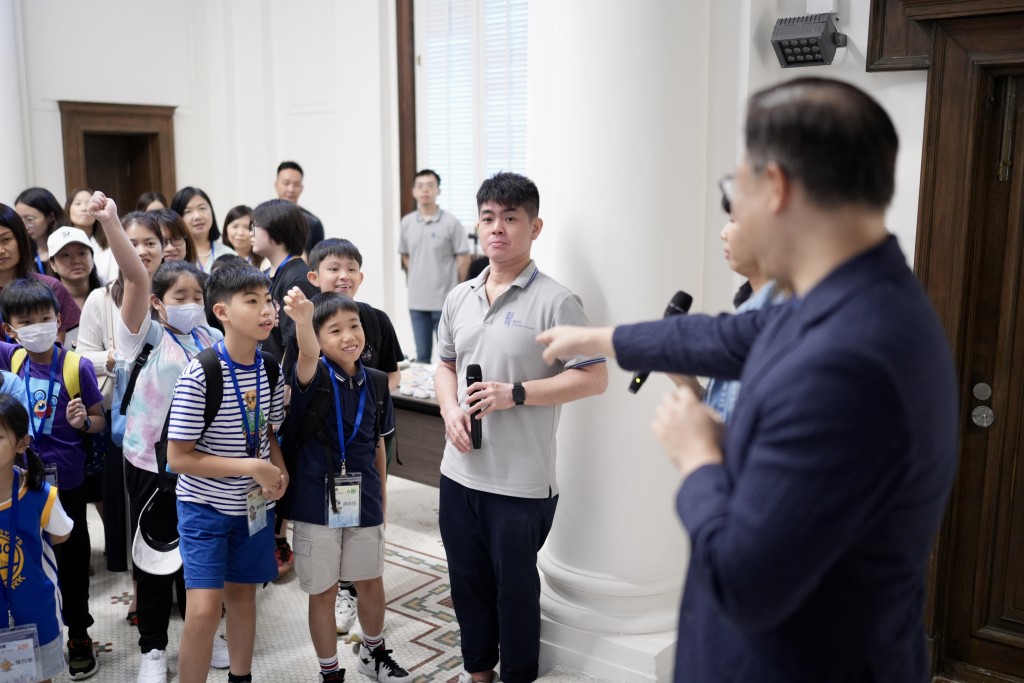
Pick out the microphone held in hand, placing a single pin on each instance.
(473, 375)
(679, 305)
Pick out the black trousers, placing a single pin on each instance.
(115, 509)
(154, 595)
(73, 564)
(492, 542)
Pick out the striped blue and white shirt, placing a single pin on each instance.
(226, 434)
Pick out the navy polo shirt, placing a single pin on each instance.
(308, 490)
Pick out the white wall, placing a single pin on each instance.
(254, 82)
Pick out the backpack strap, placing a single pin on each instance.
(129, 389)
(17, 359)
(380, 387)
(368, 317)
(210, 361)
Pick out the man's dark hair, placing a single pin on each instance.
(510, 191)
(181, 199)
(290, 166)
(829, 136)
(327, 304)
(284, 224)
(333, 246)
(426, 172)
(25, 297)
(233, 279)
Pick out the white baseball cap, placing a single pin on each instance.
(62, 237)
(155, 548)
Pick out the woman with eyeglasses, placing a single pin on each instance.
(178, 243)
(238, 234)
(196, 209)
(41, 214)
(17, 261)
(96, 342)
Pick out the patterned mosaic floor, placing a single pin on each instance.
(421, 626)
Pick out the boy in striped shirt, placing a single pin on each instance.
(228, 476)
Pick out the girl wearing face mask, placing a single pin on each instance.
(17, 262)
(96, 342)
(168, 314)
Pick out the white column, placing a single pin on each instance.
(14, 169)
(618, 126)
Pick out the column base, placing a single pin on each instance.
(644, 658)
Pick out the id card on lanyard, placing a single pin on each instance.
(344, 493)
(19, 645)
(256, 504)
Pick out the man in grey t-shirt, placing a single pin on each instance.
(498, 501)
(435, 253)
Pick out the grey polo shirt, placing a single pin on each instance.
(431, 245)
(518, 453)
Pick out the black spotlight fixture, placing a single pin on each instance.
(810, 40)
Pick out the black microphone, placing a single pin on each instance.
(679, 305)
(473, 374)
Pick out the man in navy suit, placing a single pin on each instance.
(812, 516)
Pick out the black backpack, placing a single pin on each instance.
(318, 412)
(210, 361)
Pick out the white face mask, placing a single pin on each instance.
(185, 317)
(39, 337)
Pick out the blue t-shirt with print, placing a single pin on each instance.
(308, 502)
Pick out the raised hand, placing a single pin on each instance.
(102, 208)
(298, 307)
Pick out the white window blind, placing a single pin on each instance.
(470, 94)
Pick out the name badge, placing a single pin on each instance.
(51, 475)
(256, 507)
(19, 654)
(347, 491)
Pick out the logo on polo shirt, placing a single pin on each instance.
(511, 321)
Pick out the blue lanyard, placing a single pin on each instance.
(177, 341)
(287, 258)
(49, 392)
(13, 536)
(337, 411)
(39, 265)
(252, 434)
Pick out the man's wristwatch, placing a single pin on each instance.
(518, 394)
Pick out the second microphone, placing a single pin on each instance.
(473, 375)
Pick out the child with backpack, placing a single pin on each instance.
(64, 404)
(336, 265)
(157, 350)
(338, 497)
(32, 521)
(229, 472)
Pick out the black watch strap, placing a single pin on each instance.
(518, 394)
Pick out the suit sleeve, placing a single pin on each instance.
(830, 450)
(693, 344)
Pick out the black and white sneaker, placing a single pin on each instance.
(379, 665)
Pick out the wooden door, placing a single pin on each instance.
(123, 166)
(984, 625)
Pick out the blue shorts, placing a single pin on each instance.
(216, 547)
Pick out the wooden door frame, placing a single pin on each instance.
(78, 119)
(960, 42)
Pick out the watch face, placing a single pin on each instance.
(518, 395)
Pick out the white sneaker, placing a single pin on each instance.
(220, 659)
(466, 677)
(345, 611)
(378, 664)
(153, 667)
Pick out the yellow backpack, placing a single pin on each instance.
(72, 381)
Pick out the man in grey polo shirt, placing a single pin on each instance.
(435, 253)
(498, 502)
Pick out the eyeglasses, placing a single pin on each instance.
(175, 242)
(253, 226)
(728, 187)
